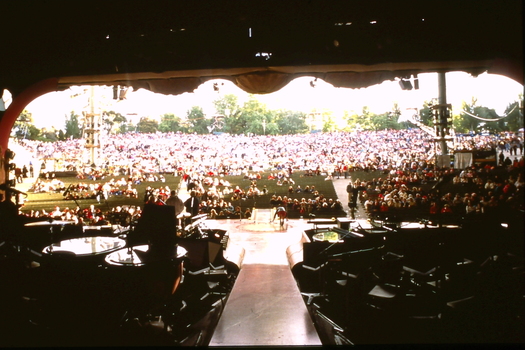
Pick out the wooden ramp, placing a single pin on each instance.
(265, 308)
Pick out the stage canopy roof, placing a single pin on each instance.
(172, 47)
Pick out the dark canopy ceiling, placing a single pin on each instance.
(356, 43)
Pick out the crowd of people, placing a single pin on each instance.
(475, 191)
(136, 154)
(406, 157)
(90, 216)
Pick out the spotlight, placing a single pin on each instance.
(405, 84)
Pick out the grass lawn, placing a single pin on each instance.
(48, 201)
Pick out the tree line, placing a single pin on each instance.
(253, 117)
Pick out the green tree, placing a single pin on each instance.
(197, 121)
(347, 118)
(352, 121)
(328, 121)
(255, 118)
(147, 125)
(48, 135)
(126, 127)
(386, 121)
(113, 121)
(169, 123)
(514, 120)
(495, 126)
(476, 119)
(425, 114)
(119, 120)
(228, 106)
(34, 133)
(365, 119)
(23, 125)
(290, 122)
(72, 126)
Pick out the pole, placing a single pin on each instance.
(92, 112)
(442, 99)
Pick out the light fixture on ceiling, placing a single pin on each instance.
(266, 55)
(216, 86)
(409, 82)
(405, 84)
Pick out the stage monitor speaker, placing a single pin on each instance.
(213, 251)
(202, 252)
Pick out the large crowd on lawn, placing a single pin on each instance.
(136, 154)
(405, 157)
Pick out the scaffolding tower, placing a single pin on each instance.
(91, 136)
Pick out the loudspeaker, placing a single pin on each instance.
(202, 252)
(405, 84)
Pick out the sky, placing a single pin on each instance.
(491, 91)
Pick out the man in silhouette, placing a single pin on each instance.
(192, 204)
(176, 202)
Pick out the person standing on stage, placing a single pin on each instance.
(281, 213)
(192, 204)
(349, 189)
(176, 202)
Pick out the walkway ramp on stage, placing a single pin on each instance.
(265, 308)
